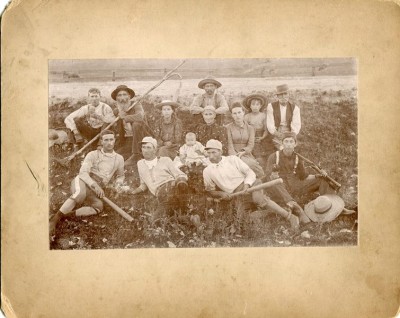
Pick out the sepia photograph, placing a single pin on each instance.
(154, 153)
(212, 159)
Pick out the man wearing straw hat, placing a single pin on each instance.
(210, 98)
(226, 175)
(131, 126)
(282, 116)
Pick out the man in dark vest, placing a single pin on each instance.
(282, 116)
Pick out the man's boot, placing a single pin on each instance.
(294, 221)
(296, 208)
(54, 219)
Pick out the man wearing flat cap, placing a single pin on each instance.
(131, 125)
(162, 178)
(282, 116)
(226, 175)
(210, 98)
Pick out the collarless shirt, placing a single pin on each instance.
(151, 163)
(227, 174)
(163, 171)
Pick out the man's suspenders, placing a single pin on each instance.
(296, 161)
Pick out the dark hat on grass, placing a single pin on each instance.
(125, 88)
(209, 79)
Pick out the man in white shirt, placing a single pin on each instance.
(162, 178)
(282, 116)
(98, 168)
(226, 175)
(87, 121)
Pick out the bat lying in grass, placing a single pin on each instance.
(258, 187)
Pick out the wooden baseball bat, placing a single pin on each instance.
(258, 187)
(117, 209)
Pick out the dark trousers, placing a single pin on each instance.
(292, 186)
(85, 129)
(169, 198)
(131, 145)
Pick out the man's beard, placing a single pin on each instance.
(124, 103)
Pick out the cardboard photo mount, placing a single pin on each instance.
(362, 281)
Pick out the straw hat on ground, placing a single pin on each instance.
(325, 208)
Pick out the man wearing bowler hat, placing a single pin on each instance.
(210, 98)
(282, 116)
(131, 126)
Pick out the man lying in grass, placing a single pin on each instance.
(162, 178)
(98, 168)
(226, 175)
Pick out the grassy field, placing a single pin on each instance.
(328, 136)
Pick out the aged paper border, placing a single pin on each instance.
(363, 281)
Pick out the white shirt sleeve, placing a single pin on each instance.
(296, 120)
(208, 183)
(250, 176)
(108, 114)
(270, 120)
(69, 120)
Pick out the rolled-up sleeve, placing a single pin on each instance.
(69, 120)
(84, 172)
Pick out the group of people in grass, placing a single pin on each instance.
(256, 147)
